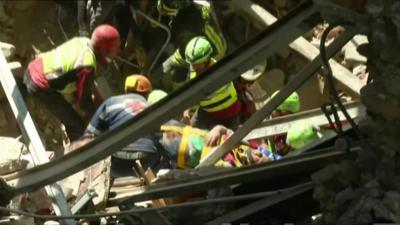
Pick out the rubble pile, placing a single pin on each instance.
(366, 191)
(355, 193)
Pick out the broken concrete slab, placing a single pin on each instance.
(351, 54)
(10, 160)
(8, 50)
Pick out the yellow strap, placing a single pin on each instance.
(237, 157)
(183, 147)
(171, 128)
(206, 150)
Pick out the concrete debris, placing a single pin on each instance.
(10, 160)
(351, 54)
(8, 50)
(353, 192)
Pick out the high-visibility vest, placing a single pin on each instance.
(192, 148)
(220, 99)
(70, 55)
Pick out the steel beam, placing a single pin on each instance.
(282, 124)
(267, 109)
(262, 46)
(288, 166)
(31, 136)
(256, 206)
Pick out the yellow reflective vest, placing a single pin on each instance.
(70, 55)
(220, 99)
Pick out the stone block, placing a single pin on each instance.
(10, 160)
(351, 54)
(8, 50)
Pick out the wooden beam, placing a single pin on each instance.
(31, 136)
(259, 16)
(282, 124)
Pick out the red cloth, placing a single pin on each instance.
(231, 111)
(82, 82)
(35, 68)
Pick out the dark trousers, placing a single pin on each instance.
(203, 120)
(58, 106)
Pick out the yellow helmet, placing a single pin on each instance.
(137, 83)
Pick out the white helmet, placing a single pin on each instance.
(254, 73)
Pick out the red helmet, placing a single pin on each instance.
(106, 41)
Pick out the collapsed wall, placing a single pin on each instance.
(366, 190)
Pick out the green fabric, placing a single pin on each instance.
(197, 144)
(291, 104)
(301, 134)
(198, 50)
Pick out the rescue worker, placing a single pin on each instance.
(187, 146)
(98, 11)
(72, 64)
(222, 106)
(189, 20)
(117, 110)
(277, 143)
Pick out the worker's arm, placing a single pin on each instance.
(215, 134)
(81, 17)
(84, 87)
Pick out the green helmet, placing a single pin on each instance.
(301, 134)
(198, 50)
(155, 96)
(291, 104)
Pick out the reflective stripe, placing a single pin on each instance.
(178, 59)
(221, 99)
(217, 41)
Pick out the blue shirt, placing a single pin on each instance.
(117, 110)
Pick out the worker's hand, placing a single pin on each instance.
(215, 134)
(186, 117)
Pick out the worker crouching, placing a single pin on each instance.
(71, 65)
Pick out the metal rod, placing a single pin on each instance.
(31, 136)
(162, 26)
(126, 62)
(60, 24)
(244, 58)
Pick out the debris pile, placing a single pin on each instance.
(366, 191)
(349, 192)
